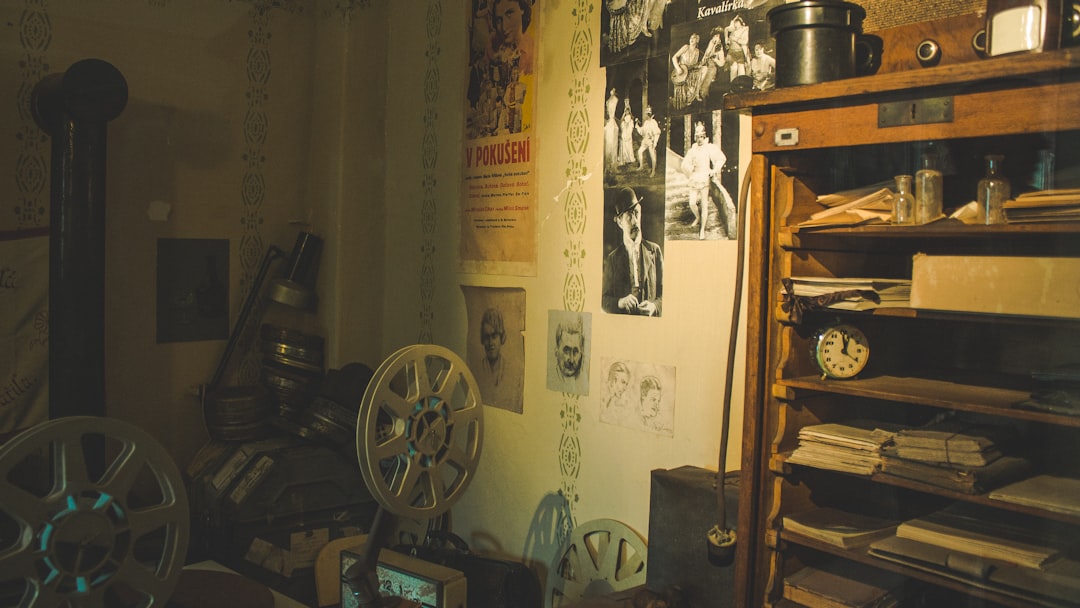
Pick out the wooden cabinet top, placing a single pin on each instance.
(1027, 93)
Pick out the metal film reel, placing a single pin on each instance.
(93, 513)
(419, 431)
(600, 557)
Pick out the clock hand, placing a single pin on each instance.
(846, 339)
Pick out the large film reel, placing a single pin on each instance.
(93, 513)
(419, 431)
(600, 557)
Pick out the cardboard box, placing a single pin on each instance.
(1004, 285)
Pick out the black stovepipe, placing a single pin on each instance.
(73, 109)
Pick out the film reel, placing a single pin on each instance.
(98, 512)
(419, 431)
(600, 557)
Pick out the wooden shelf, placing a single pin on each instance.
(1008, 69)
(826, 135)
(944, 394)
(862, 555)
(780, 463)
(944, 229)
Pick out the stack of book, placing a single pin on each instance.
(955, 454)
(848, 447)
(1010, 553)
(986, 533)
(1044, 206)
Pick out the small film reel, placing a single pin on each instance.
(419, 431)
(600, 557)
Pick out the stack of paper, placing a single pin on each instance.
(1044, 206)
(988, 533)
(838, 528)
(844, 584)
(850, 293)
(849, 447)
(951, 441)
(963, 479)
(874, 207)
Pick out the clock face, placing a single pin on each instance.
(841, 351)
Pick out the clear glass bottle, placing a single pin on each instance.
(928, 196)
(993, 191)
(903, 202)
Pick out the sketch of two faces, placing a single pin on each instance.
(638, 395)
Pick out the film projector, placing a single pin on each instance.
(94, 512)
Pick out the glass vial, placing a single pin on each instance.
(903, 202)
(992, 192)
(928, 184)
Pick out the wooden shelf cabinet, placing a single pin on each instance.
(923, 363)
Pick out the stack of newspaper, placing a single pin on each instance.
(848, 447)
(954, 453)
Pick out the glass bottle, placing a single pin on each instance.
(992, 192)
(903, 203)
(928, 184)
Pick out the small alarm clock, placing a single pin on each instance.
(840, 350)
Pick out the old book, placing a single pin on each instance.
(989, 533)
(837, 527)
(844, 584)
(1050, 492)
(967, 480)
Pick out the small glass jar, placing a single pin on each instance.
(903, 202)
(928, 196)
(993, 191)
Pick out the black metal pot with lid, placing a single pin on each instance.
(816, 41)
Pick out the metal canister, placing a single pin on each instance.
(815, 40)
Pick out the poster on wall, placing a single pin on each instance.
(498, 213)
(495, 348)
(638, 395)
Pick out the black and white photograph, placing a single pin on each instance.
(635, 123)
(495, 350)
(633, 274)
(631, 30)
(722, 52)
(569, 341)
(638, 395)
(703, 177)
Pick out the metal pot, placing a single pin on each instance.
(815, 40)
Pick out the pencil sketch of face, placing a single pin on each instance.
(492, 335)
(569, 347)
(650, 397)
(618, 379)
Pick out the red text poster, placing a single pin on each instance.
(498, 220)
